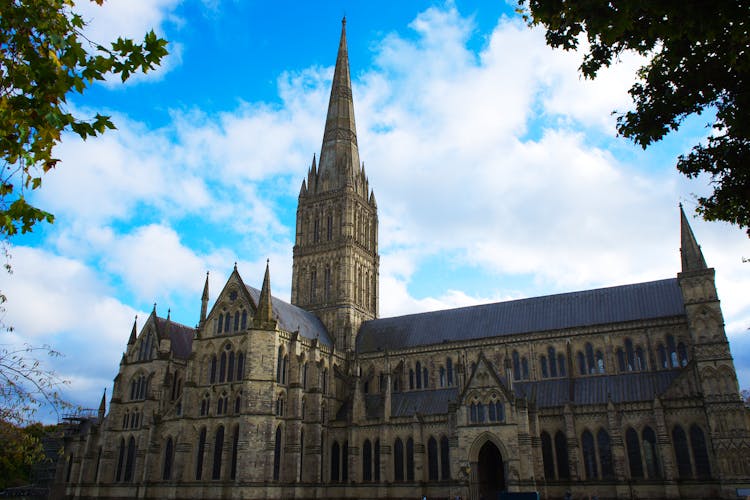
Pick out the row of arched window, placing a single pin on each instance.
(125, 460)
(438, 462)
(421, 379)
(282, 372)
(552, 364)
(224, 405)
(672, 355)
(132, 420)
(218, 449)
(591, 361)
(319, 228)
(642, 450)
(520, 366)
(228, 323)
(479, 412)
(138, 387)
(631, 359)
(226, 367)
(147, 344)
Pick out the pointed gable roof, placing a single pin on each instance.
(180, 336)
(690, 251)
(339, 154)
(292, 318)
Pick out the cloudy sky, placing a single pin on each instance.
(497, 171)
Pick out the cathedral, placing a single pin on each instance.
(621, 392)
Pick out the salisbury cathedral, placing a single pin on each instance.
(621, 392)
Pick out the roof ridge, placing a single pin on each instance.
(524, 299)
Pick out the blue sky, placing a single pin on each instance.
(496, 168)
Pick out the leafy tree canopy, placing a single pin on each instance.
(45, 57)
(699, 61)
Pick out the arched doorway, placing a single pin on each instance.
(490, 472)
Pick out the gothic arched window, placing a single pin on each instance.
(449, 369)
(682, 452)
(235, 446)
(682, 354)
(218, 448)
(410, 459)
(700, 453)
(599, 362)
(516, 366)
(230, 365)
(605, 453)
(240, 366)
(589, 455)
(672, 352)
(662, 356)
(525, 368)
(590, 362)
(543, 362)
(432, 459)
(199, 455)
(445, 461)
(547, 456)
(552, 366)
(640, 360)
(630, 354)
(130, 460)
(398, 460)
(561, 364)
(367, 461)
(419, 375)
(581, 362)
(222, 367)
(650, 453)
(561, 453)
(279, 363)
(277, 454)
(634, 453)
(120, 460)
(376, 460)
(335, 458)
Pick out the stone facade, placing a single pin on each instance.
(623, 392)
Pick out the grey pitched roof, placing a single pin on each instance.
(181, 337)
(654, 299)
(624, 387)
(291, 318)
(404, 404)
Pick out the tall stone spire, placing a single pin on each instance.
(692, 257)
(335, 267)
(339, 155)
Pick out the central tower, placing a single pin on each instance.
(335, 269)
